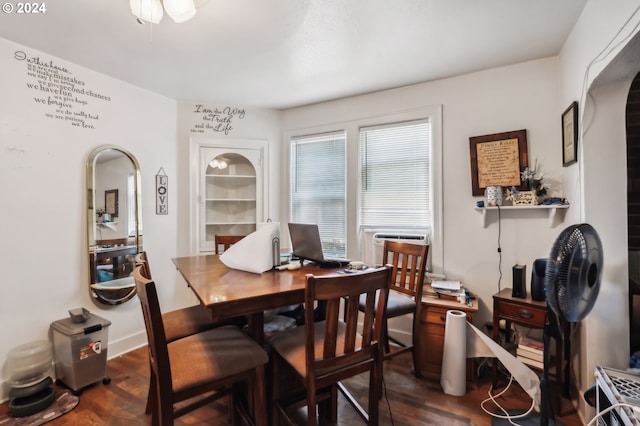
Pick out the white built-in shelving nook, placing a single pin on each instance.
(228, 188)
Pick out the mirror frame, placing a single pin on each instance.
(123, 291)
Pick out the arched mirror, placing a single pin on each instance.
(114, 223)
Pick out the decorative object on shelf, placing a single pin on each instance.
(570, 135)
(534, 179)
(555, 201)
(521, 198)
(219, 162)
(493, 195)
(99, 214)
(497, 160)
(162, 196)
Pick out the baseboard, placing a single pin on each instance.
(126, 344)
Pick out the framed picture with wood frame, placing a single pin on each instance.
(570, 135)
(498, 160)
(111, 202)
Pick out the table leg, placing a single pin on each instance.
(256, 327)
(496, 337)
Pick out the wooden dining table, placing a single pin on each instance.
(229, 293)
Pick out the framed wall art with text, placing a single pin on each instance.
(497, 160)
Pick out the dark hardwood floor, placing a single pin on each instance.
(409, 401)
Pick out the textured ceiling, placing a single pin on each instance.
(285, 53)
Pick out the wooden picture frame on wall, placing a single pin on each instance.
(570, 135)
(497, 160)
(111, 202)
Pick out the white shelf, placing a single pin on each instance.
(218, 200)
(551, 210)
(111, 225)
(231, 176)
(235, 222)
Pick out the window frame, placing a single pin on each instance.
(354, 244)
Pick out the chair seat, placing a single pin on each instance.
(217, 353)
(290, 345)
(397, 304)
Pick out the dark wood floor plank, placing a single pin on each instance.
(413, 402)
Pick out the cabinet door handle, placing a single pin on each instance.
(442, 318)
(525, 313)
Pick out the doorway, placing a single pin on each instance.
(632, 122)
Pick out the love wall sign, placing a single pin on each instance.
(162, 196)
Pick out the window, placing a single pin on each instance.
(132, 210)
(391, 167)
(318, 193)
(395, 175)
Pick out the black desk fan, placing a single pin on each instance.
(572, 283)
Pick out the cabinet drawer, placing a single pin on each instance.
(522, 314)
(434, 329)
(434, 316)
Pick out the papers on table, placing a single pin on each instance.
(447, 288)
(445, 285)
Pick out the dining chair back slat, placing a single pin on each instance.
(334, 349)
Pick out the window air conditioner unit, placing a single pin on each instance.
(375, 254)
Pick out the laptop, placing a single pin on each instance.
(306, 245)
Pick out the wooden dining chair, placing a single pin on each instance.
(111, 266)
(226, 241)
(408, 262)
(200, 368)
(321, 354)
(181, 322)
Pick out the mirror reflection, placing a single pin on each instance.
(114, 225)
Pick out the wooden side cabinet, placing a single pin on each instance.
(431, 323)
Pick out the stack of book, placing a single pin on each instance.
(530, 352)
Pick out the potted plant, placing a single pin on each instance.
(534, 180)
(100, 213)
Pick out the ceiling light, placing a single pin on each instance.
(152, 10)
(180, 10)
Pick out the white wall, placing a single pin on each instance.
(42, 160)
(42, 169)
(43, 255)
(194, 121)
(594, 73)
(518, 97)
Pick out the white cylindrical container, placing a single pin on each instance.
(453, 378)
(493, 195)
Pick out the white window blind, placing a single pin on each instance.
(131, 205)
(395, 175)
(318, 187)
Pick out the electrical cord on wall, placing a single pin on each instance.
(602, 55)
(499, 252)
